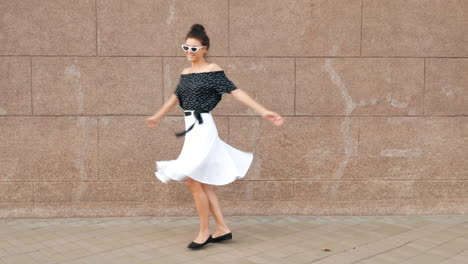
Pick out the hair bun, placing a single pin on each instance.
(197, 27)
(197, 31)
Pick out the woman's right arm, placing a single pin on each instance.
(153, 121)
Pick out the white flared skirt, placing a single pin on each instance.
(205, 157)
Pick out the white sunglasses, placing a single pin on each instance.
(192, 49)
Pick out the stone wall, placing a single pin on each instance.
(374, 95)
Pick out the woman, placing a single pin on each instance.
(205, 159)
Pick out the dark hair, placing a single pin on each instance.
(198, 31)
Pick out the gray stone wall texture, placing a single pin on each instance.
(374, 95)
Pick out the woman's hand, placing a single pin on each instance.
(152, 121)
(275, 118)
(243, 97)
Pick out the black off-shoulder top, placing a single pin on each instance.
(202, 91)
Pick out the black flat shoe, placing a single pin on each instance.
(194, 245)
(223, 237)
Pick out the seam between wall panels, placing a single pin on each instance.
(362, 9)
(96, 26)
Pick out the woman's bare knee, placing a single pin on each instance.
(194, 186)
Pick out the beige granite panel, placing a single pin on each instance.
(52, 27)
(413, 148)
(48, 149)
(381, 207)
(235, 207)
(270, 81)
(15, 86)
(178, 191)
(58, 192)
(418, 28)
(270, 207)
(97, 209)
(294, 28)
(359, 86)
(239, 190)
(461, 127)
(159, 27)
(54, 209)
(379, 190)
(97, 191)
(94, 86)
(172, 69)
(270, 190)
(120, 191)
(117, 209)
(446, 87)
(184, 208)
(303, 148)
(16, 210)
(16, 192)
(446, 189)
(128, 148)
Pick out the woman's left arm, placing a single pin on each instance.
(244, 98)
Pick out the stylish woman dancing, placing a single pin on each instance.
(205, 159)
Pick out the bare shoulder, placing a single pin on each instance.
(186, 71)
(215, 67)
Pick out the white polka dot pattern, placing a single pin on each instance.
(202, 91)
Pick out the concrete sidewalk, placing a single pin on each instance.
(256, 239)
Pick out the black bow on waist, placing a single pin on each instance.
(197, 115)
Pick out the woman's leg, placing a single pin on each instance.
(215, 208)
(202, 204)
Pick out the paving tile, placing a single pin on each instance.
(257, 239)
(425, 258)
(451, 248)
